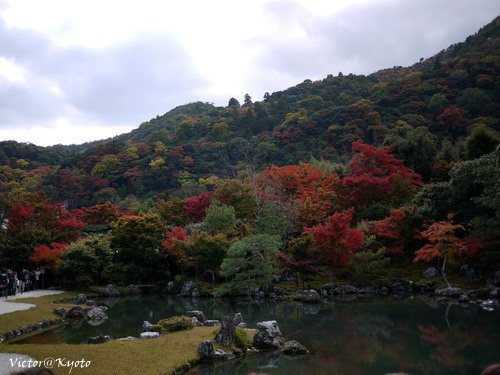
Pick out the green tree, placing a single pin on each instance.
(209, 252)
(247, 101)
(239, 195)
(234, 103)
(437, 103)
(85, 262)
(481, 141)
(136, 243)
(417, 149)
(272, 219)
(220, 217)
(474, 100)
(249, 264)
(367, 265)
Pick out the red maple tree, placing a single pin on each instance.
(48, 255)
(376, 175)
(335, 240)
(196, 207)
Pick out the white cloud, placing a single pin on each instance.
(10, 71)
(63, 132)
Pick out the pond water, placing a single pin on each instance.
(372, 336)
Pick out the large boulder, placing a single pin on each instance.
(76, 312)
(268, 336)
(367, 290)
(238, 318)
(95, 316)
(294, 348)
(309, 296)
(470, 273)
(99, 339)
(59, 311)
(80, 299)
(451, 292)
(399, 286)
(187, 288)
(430, 272)
(488, 305)
(221, 355)
(206, 351)
(196, 322)
(225, 336)
(110, 291)
(146, 326)
(128, 338)
(150, 335)
(197, 314)
(345, 289)
(211, 322)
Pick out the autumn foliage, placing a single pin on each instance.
(396, 231)
(48, 255)
(375, 174)
(196, 207)
(335, 240)
(443, 242)
(312, 192)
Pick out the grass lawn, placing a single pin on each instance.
(42, 311)
(154, 356)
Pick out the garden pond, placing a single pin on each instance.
(416, 335)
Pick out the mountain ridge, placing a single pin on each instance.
(438, 101)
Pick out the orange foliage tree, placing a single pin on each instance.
(311, 192)
(443, 243)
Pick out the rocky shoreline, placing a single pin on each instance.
(486, 297)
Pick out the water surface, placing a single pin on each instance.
(372, 336)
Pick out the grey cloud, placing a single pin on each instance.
(372, 36)
(124, 84)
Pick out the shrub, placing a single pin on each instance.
(156, 328)
(242, 338)
(176, 323)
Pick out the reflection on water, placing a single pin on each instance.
(417, 336)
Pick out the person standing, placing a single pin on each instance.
(23, 279)
(12, 286)
(4, 282)
(33, 280)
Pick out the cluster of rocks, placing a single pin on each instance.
(92, 313)
(188, 289)
(207, 352)
(44, 324)
(268, 337)
(486, 298)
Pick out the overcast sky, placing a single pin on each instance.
(81, 70)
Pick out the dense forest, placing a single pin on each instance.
(346, 176)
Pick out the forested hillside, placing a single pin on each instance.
(395, 164)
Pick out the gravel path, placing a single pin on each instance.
(6, 306)
(8, 362)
